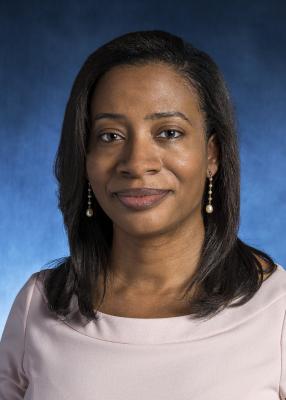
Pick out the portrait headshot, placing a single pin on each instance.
(146, 258)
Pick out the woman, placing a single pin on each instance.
(159, 298)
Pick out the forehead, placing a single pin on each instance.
(149, 88)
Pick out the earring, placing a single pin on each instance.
(209, 207)
(89, 211)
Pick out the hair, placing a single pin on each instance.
(228, 269)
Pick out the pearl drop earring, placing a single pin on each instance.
(89, 211)
(209, 207)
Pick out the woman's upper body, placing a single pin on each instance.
(238, 354)
(149, 111)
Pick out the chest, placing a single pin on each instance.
(143, 306)
(227, 365)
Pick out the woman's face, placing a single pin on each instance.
(134, 151)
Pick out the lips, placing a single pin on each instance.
(142, 202)
(140, 192)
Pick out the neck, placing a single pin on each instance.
(159, 264)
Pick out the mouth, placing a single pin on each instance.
(140, 192)
(142, 202)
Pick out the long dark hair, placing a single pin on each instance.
(228, 269)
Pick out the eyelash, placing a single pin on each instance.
(166, 130)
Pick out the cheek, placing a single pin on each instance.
(96, 171)
(96, 164)
(190, 170)
(191, 165)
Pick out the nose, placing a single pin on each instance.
(139, 156)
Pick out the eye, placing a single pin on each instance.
(172, 130)
(114, 134)
(108, 133)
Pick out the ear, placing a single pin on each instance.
(213, 154)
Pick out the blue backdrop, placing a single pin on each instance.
(43, 45)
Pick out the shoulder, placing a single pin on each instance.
(17, 316)
(268, 269)
(25, 292)
(275, 283)
(35, 282)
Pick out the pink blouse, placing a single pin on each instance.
(240, 354)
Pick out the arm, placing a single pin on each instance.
(13, 378)
(282, 385)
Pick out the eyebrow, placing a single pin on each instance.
(153, 116)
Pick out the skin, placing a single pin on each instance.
(154, 251)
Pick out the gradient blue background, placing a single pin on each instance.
(43, 45)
